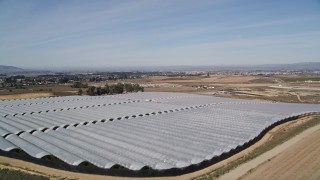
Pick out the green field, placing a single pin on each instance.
(301, 79)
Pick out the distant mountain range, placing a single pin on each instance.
(9, 69)
(307, 66)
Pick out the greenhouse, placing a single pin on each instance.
(158, 131)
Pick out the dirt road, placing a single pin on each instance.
(297, 158)
(301, 161)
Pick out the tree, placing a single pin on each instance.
(114, 89)
(84, 85)
(99, 91)
(91, 91)
(64, 80)
(80, 92)
(119, 88)
(77, 84)
(137, 88)
(107, 89)
(128, 87)
(10, 80)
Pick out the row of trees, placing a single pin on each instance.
(113, 89)
(78, 84)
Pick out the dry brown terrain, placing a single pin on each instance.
(282, 89)
(296, 158)
(300, 161)
(37, 91)
(272, 88)
(25, 96)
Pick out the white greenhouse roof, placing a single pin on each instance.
(157, 130)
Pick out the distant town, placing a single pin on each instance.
(20, 79)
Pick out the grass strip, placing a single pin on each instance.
(9, 174)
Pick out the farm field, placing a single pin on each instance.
(39, 127)
(25, 96)
(291, 88)
(37, 92)
(261, 89)
(51, 127)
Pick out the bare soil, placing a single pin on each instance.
(25, 96)
(296, 158)
(239, 86)
(300, 161)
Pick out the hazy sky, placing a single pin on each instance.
(98, 33)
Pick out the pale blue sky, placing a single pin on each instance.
(101, 33)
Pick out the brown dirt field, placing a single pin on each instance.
(296, 158)
(55, 172)
(300, 161)
(240, 86)
(25, 96)
(182, 79)
(205, 80)
(233, 79)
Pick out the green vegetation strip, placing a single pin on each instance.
(263, 81)
(280, 138)
(301, 79)
(16, 174)
(8, 174)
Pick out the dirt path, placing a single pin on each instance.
(297, 158)
(301, 161)
(298, 96)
